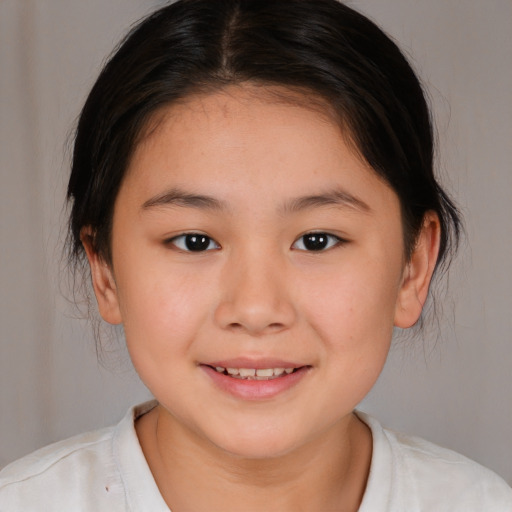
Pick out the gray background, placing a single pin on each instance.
(452, 385)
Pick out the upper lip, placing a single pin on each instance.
(256, 363)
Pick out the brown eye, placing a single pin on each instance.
(194, 242)
(316, 242)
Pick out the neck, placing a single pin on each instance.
(327, 473)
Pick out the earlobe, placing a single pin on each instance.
(418, 273)
(103, 281)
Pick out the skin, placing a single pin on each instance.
(258, 293)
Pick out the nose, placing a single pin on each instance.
(255, 295)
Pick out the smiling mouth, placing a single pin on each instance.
(255, 373)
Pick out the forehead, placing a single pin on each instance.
(244, 114)
(231, 100)
(248, 139)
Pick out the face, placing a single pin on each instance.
(258, 270)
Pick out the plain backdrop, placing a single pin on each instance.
(451, 384)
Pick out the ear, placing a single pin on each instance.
(418, 273)
(102, 280)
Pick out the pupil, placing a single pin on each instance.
(197, 242)
(315, 242)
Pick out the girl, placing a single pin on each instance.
(252, 189)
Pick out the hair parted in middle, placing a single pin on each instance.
(321, 49)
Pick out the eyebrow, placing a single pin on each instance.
(337, 197)
(177, 197)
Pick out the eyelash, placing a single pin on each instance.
(318, 237)
(186, 239)
(324, 242)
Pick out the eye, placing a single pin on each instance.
(194, 242)
(316, 242)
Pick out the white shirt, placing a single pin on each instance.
(105, 470)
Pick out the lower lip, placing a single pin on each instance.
(255, 389)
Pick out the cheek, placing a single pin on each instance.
(360, 293)
(162, 311)
(353, 309)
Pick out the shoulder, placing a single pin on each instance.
(46, 458)
(64, 469)
(425, 476)
(87, 472)
(448, 476)
(100, 470)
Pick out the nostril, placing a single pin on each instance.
(272, 327)
(235, 326)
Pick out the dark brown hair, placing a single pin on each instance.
(321, 47)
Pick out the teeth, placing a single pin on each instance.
(267, 372)
(254, 374)
(247, 372)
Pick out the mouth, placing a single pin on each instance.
(255, 373)
(255, 380)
